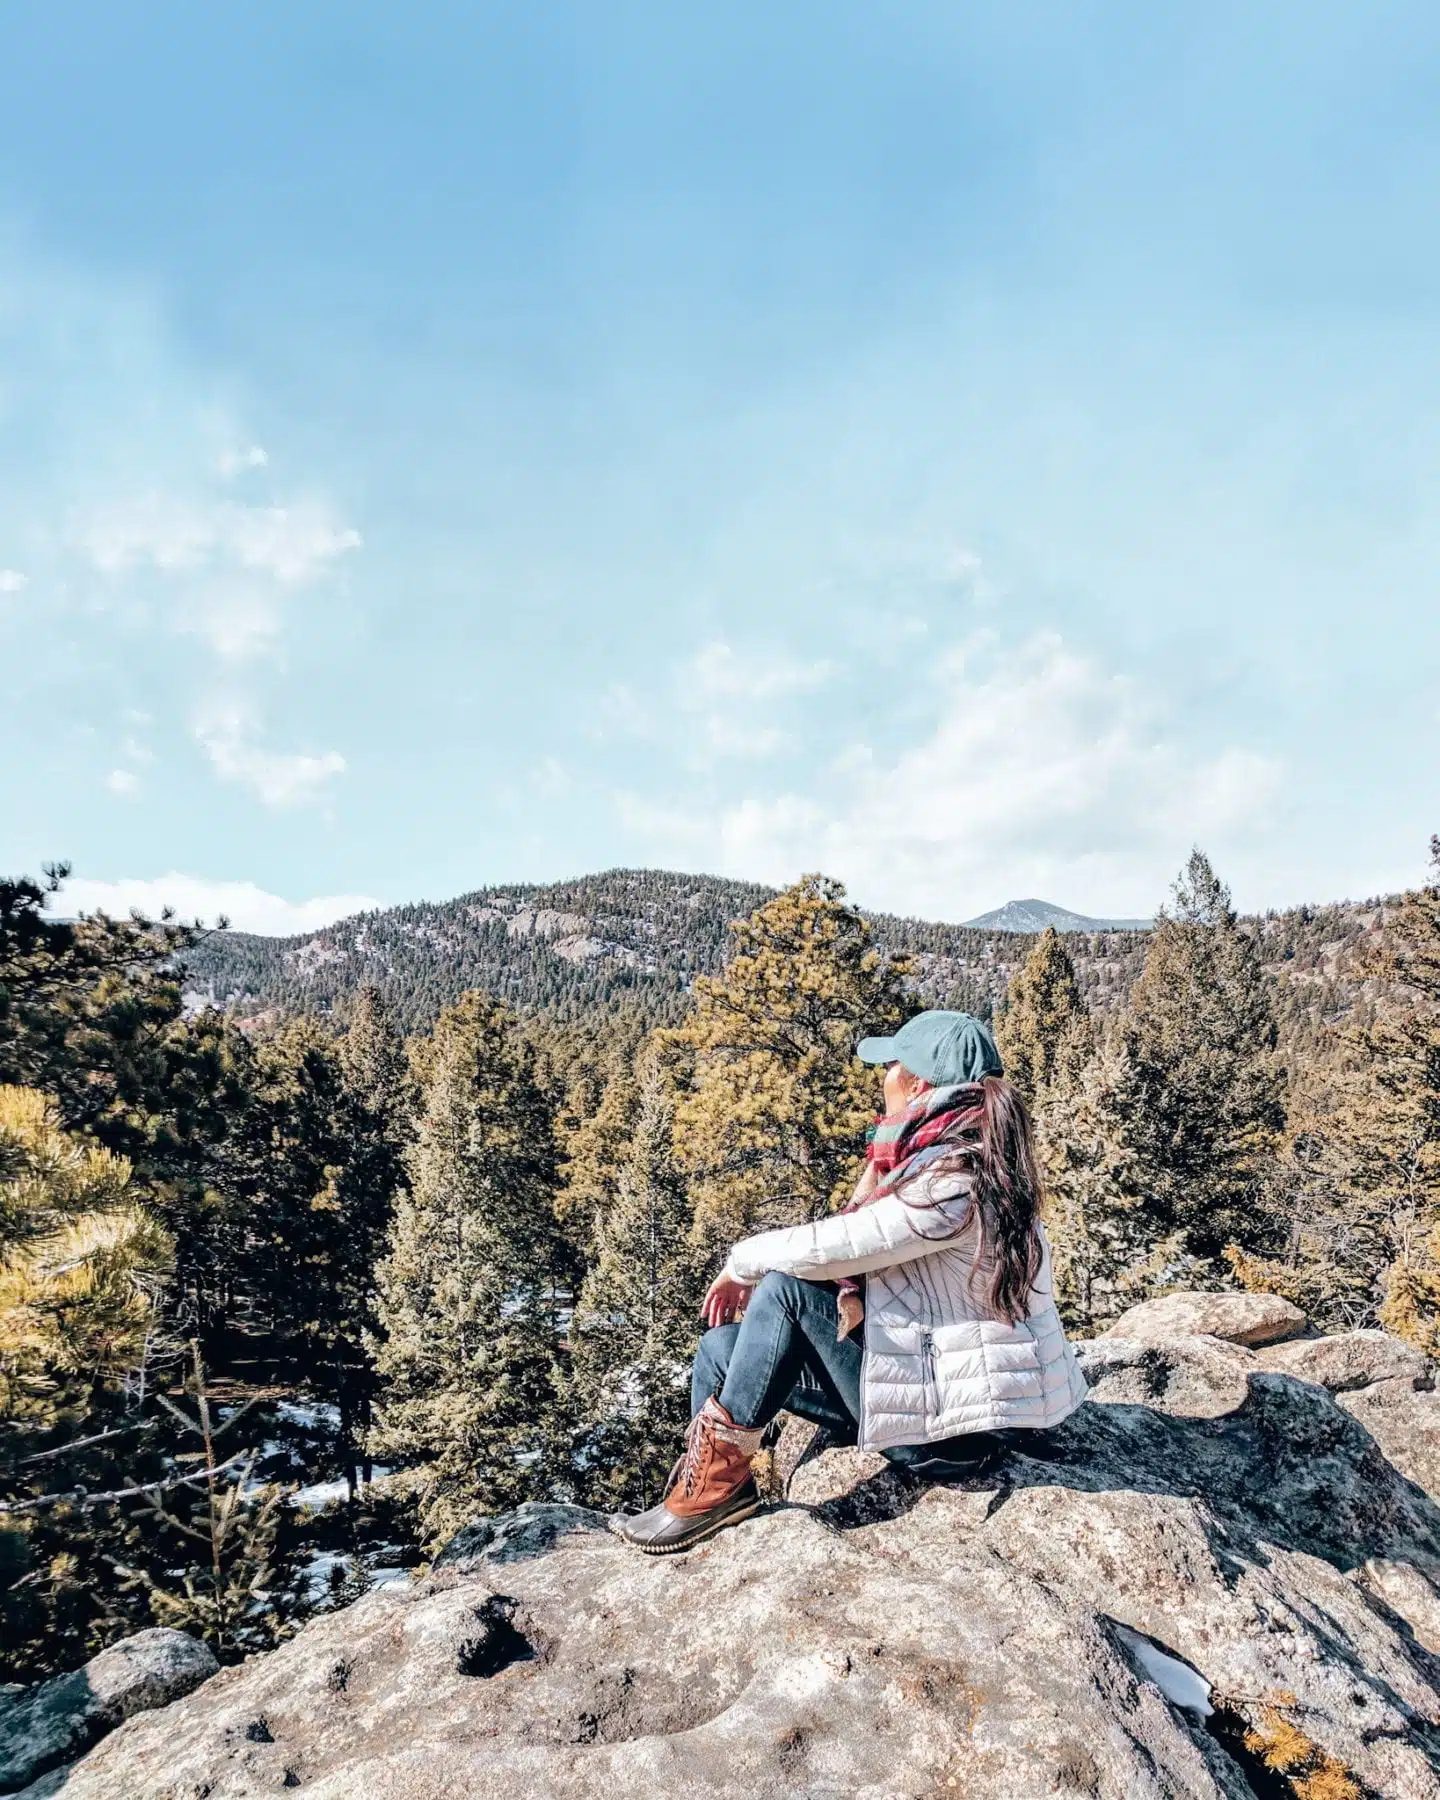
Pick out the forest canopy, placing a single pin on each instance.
(312, 1249)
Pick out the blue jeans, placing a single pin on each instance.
(784, 1356)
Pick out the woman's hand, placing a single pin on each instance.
(724, 1301)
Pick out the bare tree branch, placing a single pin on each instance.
(79, 1497)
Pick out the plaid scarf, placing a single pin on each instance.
(898, 1146)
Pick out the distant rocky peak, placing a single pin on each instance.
(1036, 915)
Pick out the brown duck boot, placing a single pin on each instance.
(710, 1487)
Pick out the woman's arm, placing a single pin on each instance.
(873, 1237)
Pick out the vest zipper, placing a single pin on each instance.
(927, 1355)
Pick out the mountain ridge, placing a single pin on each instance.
(1036, 915)
(636, 939)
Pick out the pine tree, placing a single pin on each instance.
(473, 1394)
(1198, 1097)
(597, 1144)
(636, 1325)
(380, 1117)
(235, 1523)
(372, 1057)
(317, 1172)
(81, 1262)
(1387, 1127)
(772, 1110)
(1047, 1040)
(82, 1271)
(1043, 1031)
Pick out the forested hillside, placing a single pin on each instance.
(415, 1222)
(635, 939)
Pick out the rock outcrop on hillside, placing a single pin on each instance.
(1214, 1582)
(52, 1721)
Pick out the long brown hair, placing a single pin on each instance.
(994, 1144)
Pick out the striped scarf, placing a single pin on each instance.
(898, 1146)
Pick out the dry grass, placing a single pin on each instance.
(1313, 1773)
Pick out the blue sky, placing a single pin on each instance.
(976, 451)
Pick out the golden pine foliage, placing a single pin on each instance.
(80, 1260)
(773, 1106)
(1313, 1774)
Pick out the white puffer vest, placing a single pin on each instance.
(937, 1360)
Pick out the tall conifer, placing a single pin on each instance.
(472, 1386)
(770, 1120)
(1198, 1097)
(1047, 1040)
(636, 1326)
(1043, 1030)
(1388, 1128)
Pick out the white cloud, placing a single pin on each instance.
(732, 696)
(1041, 773)
(12, 581)
(230, 737)
(236, 462)
(248, 907)
(123, 782)
(236, 617)
(230, 569)
(292, 544)
(719, 672)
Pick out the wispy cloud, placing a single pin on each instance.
(247, 906)
(232, 739)
(239, 462)
(292, 544)
(1039, 772)
(735, 699)
(142, 510)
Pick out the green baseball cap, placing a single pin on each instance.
(943, 1048)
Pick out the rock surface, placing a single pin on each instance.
(1205, 1527)
(1248, 1319)
(53, 1721)
(1352, 1359)
(1406, 1426)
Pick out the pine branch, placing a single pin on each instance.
(79, 1497)
(84, 1443)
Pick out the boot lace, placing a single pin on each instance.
(694, 1450)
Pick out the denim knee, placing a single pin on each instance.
(776, 1289)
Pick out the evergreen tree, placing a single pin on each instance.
(81, 1264)
(1198, 1098)
(472, 1390)
(1047, 1040)
(1043, 1030)
(315, 1171)
(636, 1325)
(1099, 1228)
(773, 1103)
(597, 1143)
(82, 1269)
(376, 1072)
(1387, 1127)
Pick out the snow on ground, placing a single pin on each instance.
(1183, 1686)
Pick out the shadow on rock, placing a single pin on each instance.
(1285, 1465)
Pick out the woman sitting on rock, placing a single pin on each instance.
(954, 1334)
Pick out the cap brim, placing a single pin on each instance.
(877, 1050)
